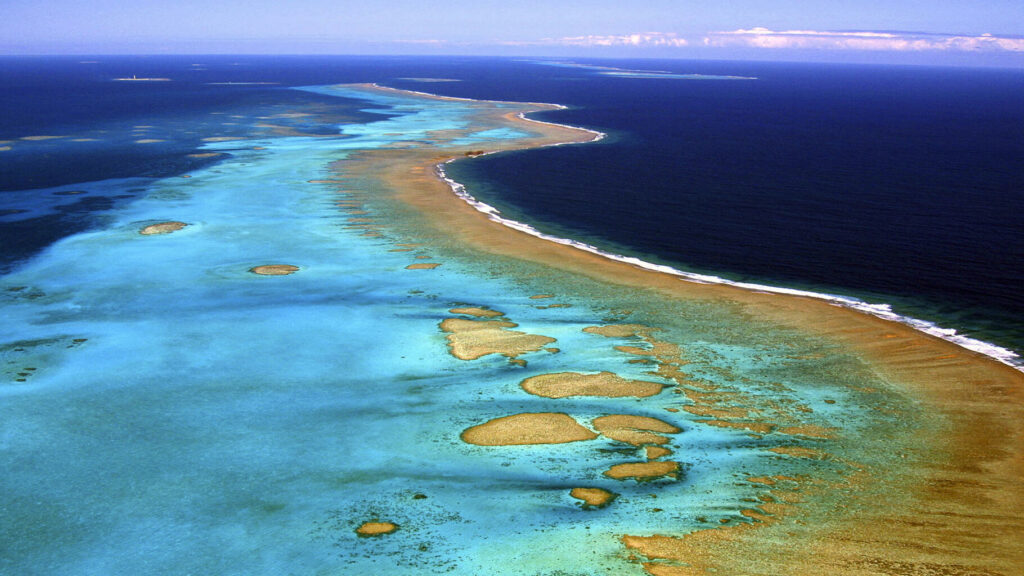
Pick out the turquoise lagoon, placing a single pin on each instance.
(165, 411)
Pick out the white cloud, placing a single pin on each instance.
(640, 40)
(887, 41)
(797, 39)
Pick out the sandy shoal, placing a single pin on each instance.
(274, 269)
(472, 339)
(642, 470)
(529, 428)
(162, 228)
(592, 497)
(635, 430)
(655, 452)
(476, 311)
(376, 528)
(606, 384)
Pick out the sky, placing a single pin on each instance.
(957, 31)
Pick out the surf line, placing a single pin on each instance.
(883, 311)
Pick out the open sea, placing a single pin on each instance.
(164, 410)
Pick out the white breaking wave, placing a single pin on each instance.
(884, 311)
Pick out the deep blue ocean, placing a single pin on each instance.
(898, 185)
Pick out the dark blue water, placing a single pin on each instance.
(894, 184)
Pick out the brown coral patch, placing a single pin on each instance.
(274, 269)
(475, 311)
(635, 350)
(809, 430)
(642, 470)
(376, 528)
(635, 430)
(607, 384)
(717, 412)
(162, 228)
(529, 428)
(655, 452)
(592, 497)
(755, 427)
(618, 330)
(800, 452)
(472, 339)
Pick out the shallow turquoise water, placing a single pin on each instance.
(183, 415)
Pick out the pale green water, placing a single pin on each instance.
(185, 416)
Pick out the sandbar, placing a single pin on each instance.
(478, 312)
(635, 430)
(607, 384)
(655, 452)
(642, 470)
(423, 266)
(472, 339)
(463, 325)
(660, 349)
(529, 428)
(274, 269)
(376, 528)
(593, 497)
(162, 228)
(635, 350)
